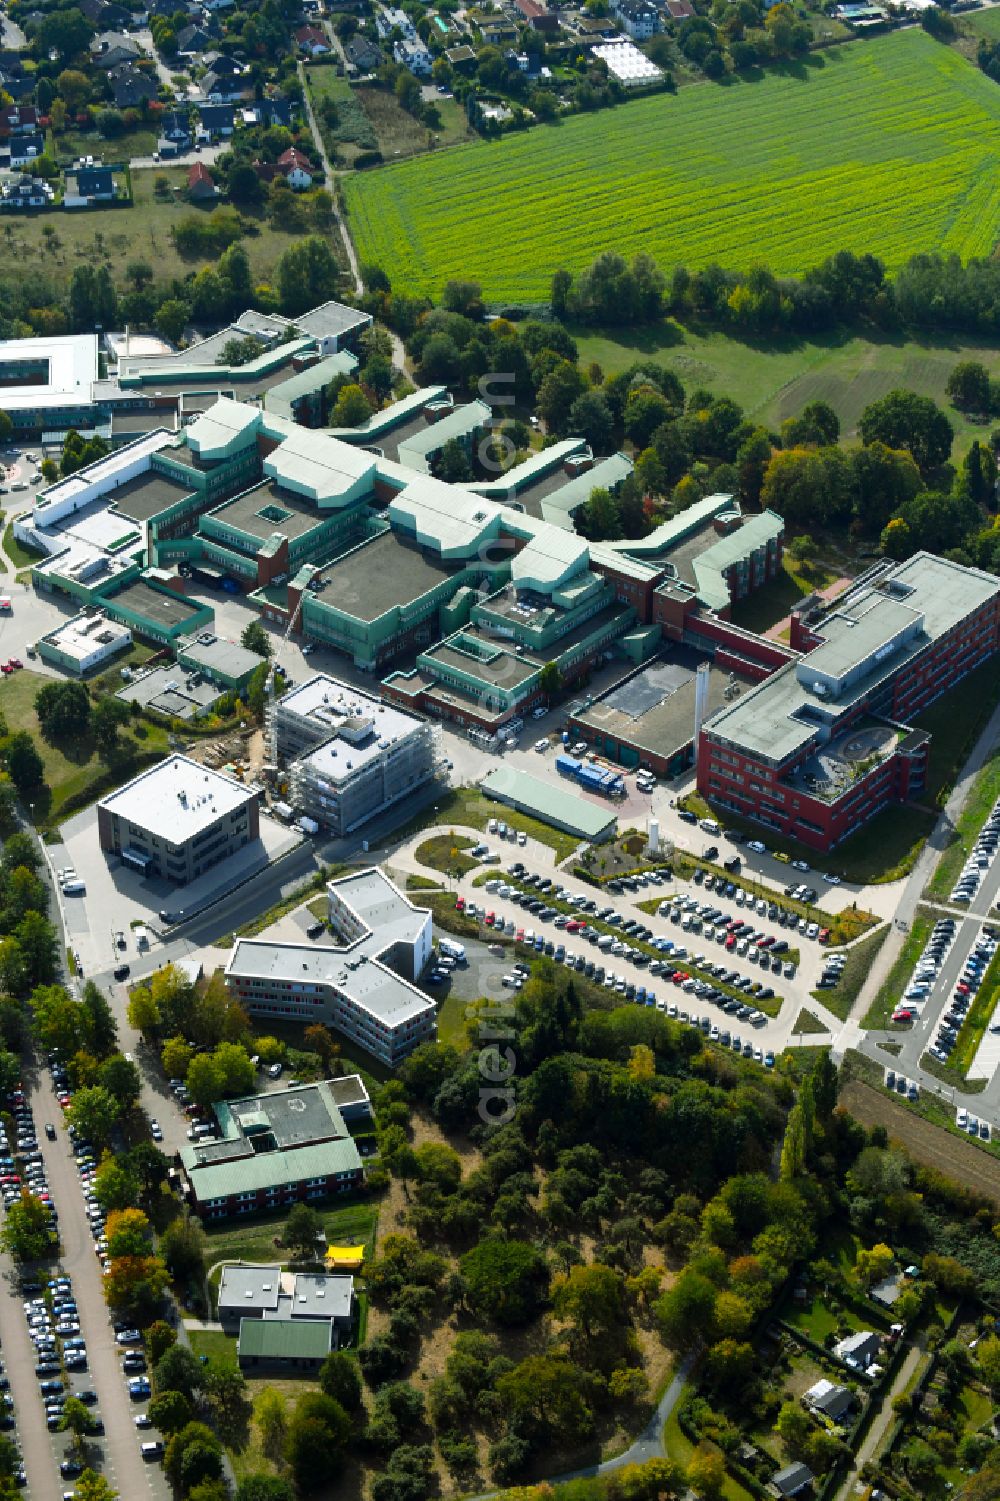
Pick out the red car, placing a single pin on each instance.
(574, 926)
(519, 936)
(5, 667)
(961, 988)
(460, 904)
(15, 662)
(489, 919)
(731, 941)
(902, 1014)
(824, 935)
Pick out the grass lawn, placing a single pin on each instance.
(220, 1348)
(71, 144)
(895, 982)
(859, 962)
(885, 147)
(805, 1023)
(467, 805)
(983, 23)
(444, 852)
(20, 556)
(963, 835)
(679, 1447)
(451, 1021)
(253, 1240)
(955, 722)
(977, 1019)
(775, 378)
(114, 236)
(68, 769)
(400, 135)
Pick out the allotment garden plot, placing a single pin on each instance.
(890, 145)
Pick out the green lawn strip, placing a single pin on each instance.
(977, 1019)
(880, 1011)
(20, 555)
(774, 378)
(951, 1076)
(422, 883)
(955, 723)
(860, 959)
(884, 850)
(468, 806)
(962, 837)
(451, 1021)
(218, 1347)
(253, 1240)
(805, 1023)
(444, 852)
(771, 1006)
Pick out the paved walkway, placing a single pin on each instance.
(345, 234)
(872, 1440)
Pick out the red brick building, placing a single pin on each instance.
(823, 744)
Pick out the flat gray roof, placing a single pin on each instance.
(553, 805)
(386, 571)
(654, 709)
(249, 1286)
(148, 494)
(169, 690)
(315, 1295)
(154, 604)
(331, 318)
(214, 652)
(291, 516)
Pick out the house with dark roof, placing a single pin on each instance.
(193, 39)
(25, 149)
(97, 184)
(222, 88)
(222, 64)
(131, 87)
(216, 121)
(113, 47)
(860, 1351)
(26, 192)
(17, 85)
(201, 184)
(362, 54)
(793, 1480)
(175, 136)
(276, 111)
(829, 1399)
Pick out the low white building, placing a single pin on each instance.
(626, 63)
(86, 642)
(363, 985)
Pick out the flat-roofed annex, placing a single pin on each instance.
(177, 799)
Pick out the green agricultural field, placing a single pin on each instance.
(890, 146)
(774, 379)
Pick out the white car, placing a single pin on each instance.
(538, 712)
(831, 879)
(541, 746)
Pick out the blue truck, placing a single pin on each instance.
(593, 778)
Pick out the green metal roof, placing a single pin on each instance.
(262, 1170)
(565, 810)
(285, 1339)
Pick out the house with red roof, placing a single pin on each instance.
(312, 40)
(296, 168)
(201, 184)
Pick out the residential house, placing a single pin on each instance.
(96, 183)
(111, 48)
(794, 1480)
(413, 55)
(296, 168)
(887, 1291)
(391, 19)
(639, 18)
(595, 28)
(175, 136)
(19, 120)
(193, 39)
(539, 16)
(829, 1400)
(132, 88)
(312, 40)
(216, 121)
(859, 1351)
(362, 54)
(26, 193)
(222, 64)
(18, 85)
(25, 149)
(495, 32)
(201, 184)
(105, 15)
(277, 111)
(222, 88)
(213, 5)
(463, 57)
(679, 10)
